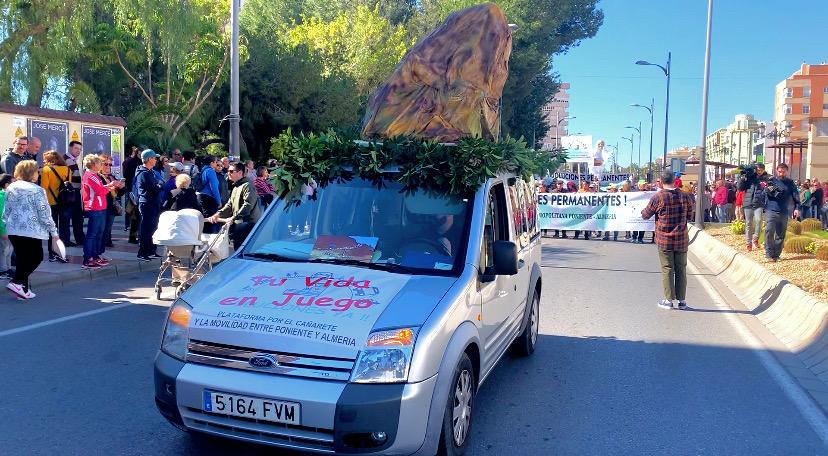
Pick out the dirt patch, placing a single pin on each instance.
(804, 271)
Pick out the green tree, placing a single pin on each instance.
(173, 53)
(359, 43)
(39, 40)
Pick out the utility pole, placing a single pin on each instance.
(234, 118)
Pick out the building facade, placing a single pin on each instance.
(555, 113)
(801, 111)
(736, 143)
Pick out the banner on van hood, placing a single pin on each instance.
(307, 303)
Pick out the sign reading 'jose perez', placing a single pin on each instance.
(52, 135)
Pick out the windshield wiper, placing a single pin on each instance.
(269, 256)
(390, 267)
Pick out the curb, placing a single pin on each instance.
(84, 275)
(795, 317)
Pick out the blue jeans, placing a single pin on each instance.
(753, 222)
(776, 224)
(106, 236)
(721, 211)
(149, 223)
(94, 233)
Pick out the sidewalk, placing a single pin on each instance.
(123, 256)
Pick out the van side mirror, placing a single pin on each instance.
(505, 258)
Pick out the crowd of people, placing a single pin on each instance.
(552, 185)
(74, 198)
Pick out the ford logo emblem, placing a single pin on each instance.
(263, 361)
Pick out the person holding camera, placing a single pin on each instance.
(782, 196)
(752, 182)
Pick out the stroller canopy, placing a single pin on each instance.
(179, 228)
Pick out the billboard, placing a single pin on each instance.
(578, 148)
(52, 135)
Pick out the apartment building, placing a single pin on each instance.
(555, 113)
(801, 113)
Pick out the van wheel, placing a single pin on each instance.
(525, 344)
(457, 419)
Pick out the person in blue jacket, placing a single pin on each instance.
(147, 187)
(210, 196)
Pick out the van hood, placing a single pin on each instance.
(306, 308)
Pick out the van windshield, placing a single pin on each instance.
(353, 222)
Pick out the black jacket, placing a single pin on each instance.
(182, 199)
(755, 196)
(786, 199)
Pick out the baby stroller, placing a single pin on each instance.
(190, 253)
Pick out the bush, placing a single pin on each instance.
(797, 244)
(794, 227)
(822, 252)
(811, 224)
(737, 227)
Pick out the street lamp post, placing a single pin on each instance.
(234, 117)
(702, 141)
(650, 109)
(632, 147)
(638, 129)
(668, 73)
(558, 121)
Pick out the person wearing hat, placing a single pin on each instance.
(147, 189)
(175, 168)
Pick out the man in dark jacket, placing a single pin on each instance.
(242, 209)
(782, 196)
(753, 184)
(147, 189)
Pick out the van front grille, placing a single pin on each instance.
(232, 357)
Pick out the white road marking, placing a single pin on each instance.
(21, 329)
(809, 409)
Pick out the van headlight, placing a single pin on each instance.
(177, 332)
(386, 357)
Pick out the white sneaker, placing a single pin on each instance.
(16, 289)
(665, 304)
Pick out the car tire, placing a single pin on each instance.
(457, 424)
(526, 342)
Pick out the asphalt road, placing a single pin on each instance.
(613, 374)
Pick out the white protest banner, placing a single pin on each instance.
(605, 178)
(594, 211)
(306, 303)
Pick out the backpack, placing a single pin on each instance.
(66, 195)
(195, 176)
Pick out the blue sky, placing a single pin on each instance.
(756, 44)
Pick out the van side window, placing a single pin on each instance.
(520, 195)
(495, 225)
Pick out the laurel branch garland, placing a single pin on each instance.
(458, 169)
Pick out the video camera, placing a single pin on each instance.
(747, 171)
(773, 191)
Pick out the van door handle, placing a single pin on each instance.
(521, 263)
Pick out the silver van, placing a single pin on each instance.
(361, 320)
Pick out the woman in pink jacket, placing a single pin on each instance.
(720, 201)
(93, 195)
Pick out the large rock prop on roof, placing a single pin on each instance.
(448, 86)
